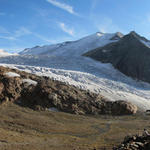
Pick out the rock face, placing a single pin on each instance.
(41, 93)
(136, 142)
(119, 108)
(130, 55)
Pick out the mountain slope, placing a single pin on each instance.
(130, 55)
(74, 48)
(67, 55)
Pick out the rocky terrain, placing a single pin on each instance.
(130, 55)
(136, 142)
(42, 93)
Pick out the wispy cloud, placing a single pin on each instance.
(22, 31)
(94, 4)
(108, 26)
(63, 6)
(5, 34)
(8, 38)
(64, 28)
(105, 24)
(43, 38)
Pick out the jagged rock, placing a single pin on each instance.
(136, 142)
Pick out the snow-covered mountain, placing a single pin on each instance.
(130, 55)
(65, 62)
(74, 48)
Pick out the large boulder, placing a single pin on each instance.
(118, 108)
(123, 108)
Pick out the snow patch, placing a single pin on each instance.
(99, 34)
(53, 109)
(29, 82)
(146, 43)
(12, 74)
(104, 50)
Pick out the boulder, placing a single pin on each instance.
(123, 108)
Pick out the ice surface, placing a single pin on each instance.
(109, 82)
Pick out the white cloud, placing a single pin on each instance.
(63, 6)
(66, 29)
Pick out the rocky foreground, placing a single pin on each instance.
(41, 93)
(135, 142)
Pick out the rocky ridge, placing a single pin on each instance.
(42, 93)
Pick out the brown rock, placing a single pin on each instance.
(123, 108)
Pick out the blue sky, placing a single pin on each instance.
(27, 23)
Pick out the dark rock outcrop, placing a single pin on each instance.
(136, 142)
(130, 55)
(41, 93)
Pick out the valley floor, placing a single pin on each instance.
(24, 129)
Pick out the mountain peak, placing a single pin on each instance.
(133, 33)
(117, 36)
(99, 33)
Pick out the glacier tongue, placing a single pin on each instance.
(108, 82)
